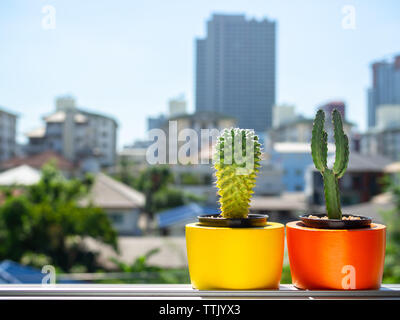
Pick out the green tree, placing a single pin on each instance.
(154, 178)
(188, 178)
(392, 221)
(140, 264)
(155, 182)
(47, 221)
(55, 189)
(125, 171)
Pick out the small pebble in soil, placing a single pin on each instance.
(326, 217)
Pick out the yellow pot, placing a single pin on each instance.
(235, 258)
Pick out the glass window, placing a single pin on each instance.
(83, 82)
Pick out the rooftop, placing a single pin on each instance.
(361, 163)
(110, 193)
(377, 130)
(4, 110)
(81, 114)
(12, 273)
(287, 201)
(393, 167)
(36, 133)
(60, 116)
(22, 175)
(297, 147)
(304, 120)
(38, 160)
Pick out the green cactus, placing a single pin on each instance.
(319, 152)
(237, 156)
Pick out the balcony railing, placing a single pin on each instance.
(176, 291)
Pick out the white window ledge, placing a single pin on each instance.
(151, 291)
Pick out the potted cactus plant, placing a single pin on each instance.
(235, 249)
(332, 250)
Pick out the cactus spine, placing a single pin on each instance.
(237, 156)
(319, 152)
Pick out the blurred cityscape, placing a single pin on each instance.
(119, 200)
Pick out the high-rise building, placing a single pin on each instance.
(8, 133)
(385, 87)
(235, 70)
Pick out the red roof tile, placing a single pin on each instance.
(38, 160)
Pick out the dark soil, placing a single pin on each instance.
(326, 217)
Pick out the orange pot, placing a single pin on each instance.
(336, 259)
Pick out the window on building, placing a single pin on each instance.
(116, 217)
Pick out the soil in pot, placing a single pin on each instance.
(321, 221)
(217, 220)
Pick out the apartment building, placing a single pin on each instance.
(235, 69)
(77, 134)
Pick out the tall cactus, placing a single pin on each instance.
(319, 151)
(237, 156)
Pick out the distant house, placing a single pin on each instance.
(37, 161)
(361, 182)
(122, 204)
(383, 141)
(293, 158)
(21, 176)
(280, 208)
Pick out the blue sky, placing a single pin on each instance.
(126, 58)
